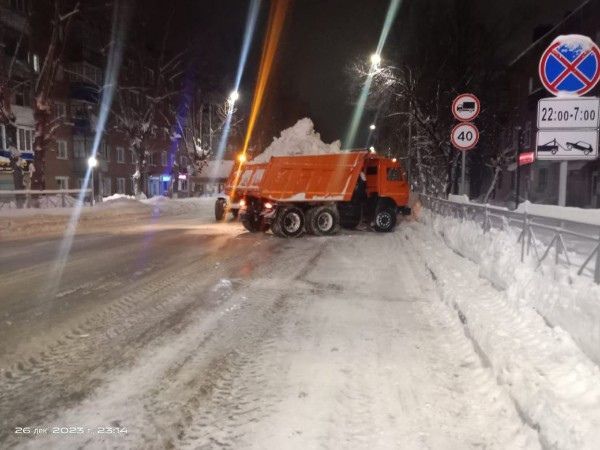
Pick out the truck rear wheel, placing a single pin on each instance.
(220, 209)
(384, 220)
(289, 222)
(323, 220)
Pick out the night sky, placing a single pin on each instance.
(321, 40)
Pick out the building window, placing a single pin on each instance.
(106, 187)
(133, 157)
(527, 136)
(80, 183)
(120, 185)
(86, 73)
(120, 155)
(184, 161)
(105, 151)
(542, 182)
(25, 139)
(151, 159)
(61, 150)
(530, 85)
(2, 137)
(62, 182)
(79, 148)
(22, 95)
(163, 158)
(17, 5)
(60, 110)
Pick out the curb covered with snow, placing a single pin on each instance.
(554, 385)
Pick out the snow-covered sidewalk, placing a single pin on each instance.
(554, 385)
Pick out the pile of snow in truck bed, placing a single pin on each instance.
(301, 139)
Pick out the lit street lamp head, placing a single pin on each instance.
(375, 59)
(372, 149)
(234, 96)
(372, 127)
(92, 162)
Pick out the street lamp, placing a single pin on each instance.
(372, 127)
(372, 149)
(375, 59)
(92, 164)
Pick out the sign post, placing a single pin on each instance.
(465, 135)
(568, 124)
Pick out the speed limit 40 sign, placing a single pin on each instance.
(464, 136)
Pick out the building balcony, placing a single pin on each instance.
(85, 92)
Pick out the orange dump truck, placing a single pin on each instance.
(316, 194)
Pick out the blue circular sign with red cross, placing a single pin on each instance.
(570, 65)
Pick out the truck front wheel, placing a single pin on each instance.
(290, 222)
(384, 220)
(323, 220)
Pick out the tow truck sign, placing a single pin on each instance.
(570, 65)
(465, 107)
(567, 144)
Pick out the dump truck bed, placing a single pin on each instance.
(330, 177)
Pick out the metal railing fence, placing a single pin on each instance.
(51, 198)
(583, 237)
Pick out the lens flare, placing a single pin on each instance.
(253, 10)
(392, 11)
(120, 18)
(277, 15)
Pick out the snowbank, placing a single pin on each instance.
(564, 300)
(118, 211)
(555, 387)
(301, 139)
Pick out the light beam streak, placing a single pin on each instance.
(277, 15)
(251, 19)
(120, 18)
(392, 11)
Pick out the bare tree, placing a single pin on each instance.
(146, 87)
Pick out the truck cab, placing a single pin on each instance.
(386, 179)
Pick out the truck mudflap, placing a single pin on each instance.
(404, 210)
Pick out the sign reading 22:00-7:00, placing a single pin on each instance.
(582, 112)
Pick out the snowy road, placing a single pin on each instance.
(196, 335)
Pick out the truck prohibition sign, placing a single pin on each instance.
(464, 136)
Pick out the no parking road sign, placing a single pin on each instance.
(570, 65)
(464, 136)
